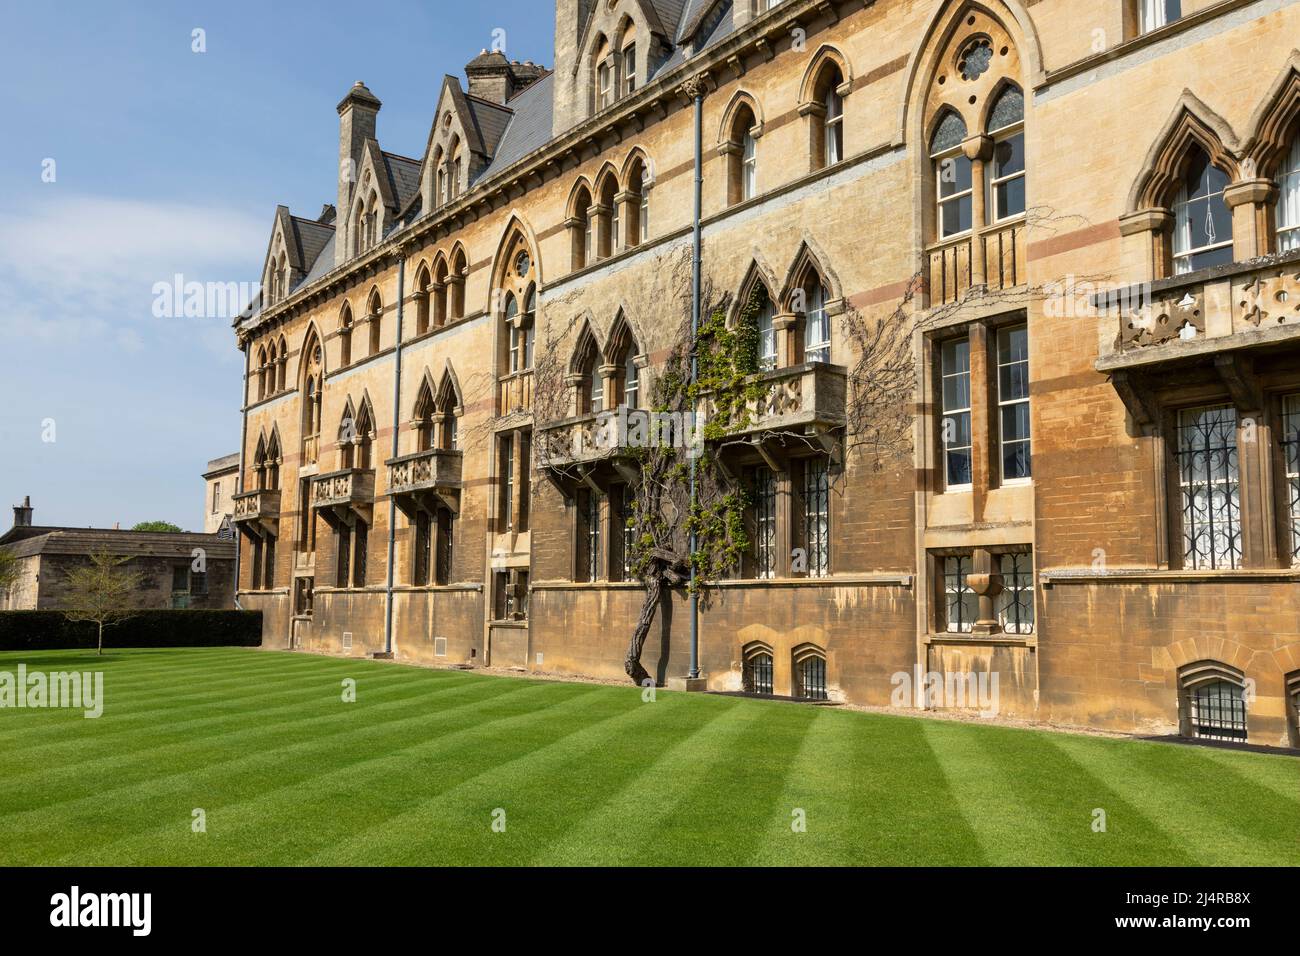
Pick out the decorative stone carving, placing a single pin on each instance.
(1271, 299)
(1178, 316)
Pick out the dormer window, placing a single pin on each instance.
(629, 69)
(604, 87)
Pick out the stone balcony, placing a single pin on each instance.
(806, 400)
(344, 494)
(258, 511)
(420, 478)
(1237, 306)
(1219, 322)
(584, 439)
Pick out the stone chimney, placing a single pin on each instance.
(570, 99)
(357, 115)
(494, 78)
(23, 513)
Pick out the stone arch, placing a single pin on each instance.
(739, 100)
(1011, 15)
(758, 273)
(586, 348)
(1276, 121)
(1192, 123)
(826, 56)
(810, 257)
(516, 236)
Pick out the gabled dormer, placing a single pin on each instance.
(295, 245)
(466, 130)
(606, 51)
(374, 185)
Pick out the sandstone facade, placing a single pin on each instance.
(1068, 230)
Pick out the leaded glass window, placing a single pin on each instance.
(816, 519)
(961, 605)
(1013, 401)
(1209, 480)
(1016, 602)
(953, 177)
(1007, 171)
(956, 423)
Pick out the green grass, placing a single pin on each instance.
(412, 771)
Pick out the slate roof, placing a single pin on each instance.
(525, 124)
(27, 541)
(403, 176)
(530, 128)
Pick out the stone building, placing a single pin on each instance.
(221, 482)
(167, 564)
(1025, 277)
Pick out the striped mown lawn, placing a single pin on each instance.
(414, 771)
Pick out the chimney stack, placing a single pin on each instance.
(23, 513)
(357, 122)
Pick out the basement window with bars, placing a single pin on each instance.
(759, 671)
(1218, 711)
(1209, 480)
(961, 605)
(1016, 602)
(810, 676)
(1291, 454)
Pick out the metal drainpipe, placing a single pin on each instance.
(695, 326)
(239, 478)
(397, 431)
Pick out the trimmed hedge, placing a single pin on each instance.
(48, 630)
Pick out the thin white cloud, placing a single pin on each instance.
(83, 268)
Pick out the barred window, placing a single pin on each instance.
(198, 583)
(1016, 602)
(445, 537)
(758, 672)
(816, 518)
(764, 522)
(1291, 451)
(591, 521)
(1210, 482)
(961, 606)
(1013, 401)
(810, 676)
(956, 424)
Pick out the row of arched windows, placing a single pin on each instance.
(614, 214)
(272, 364)
(609, 377)
(440, 290)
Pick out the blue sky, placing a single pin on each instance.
(170, 161)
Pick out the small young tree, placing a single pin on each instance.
(101, 592)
